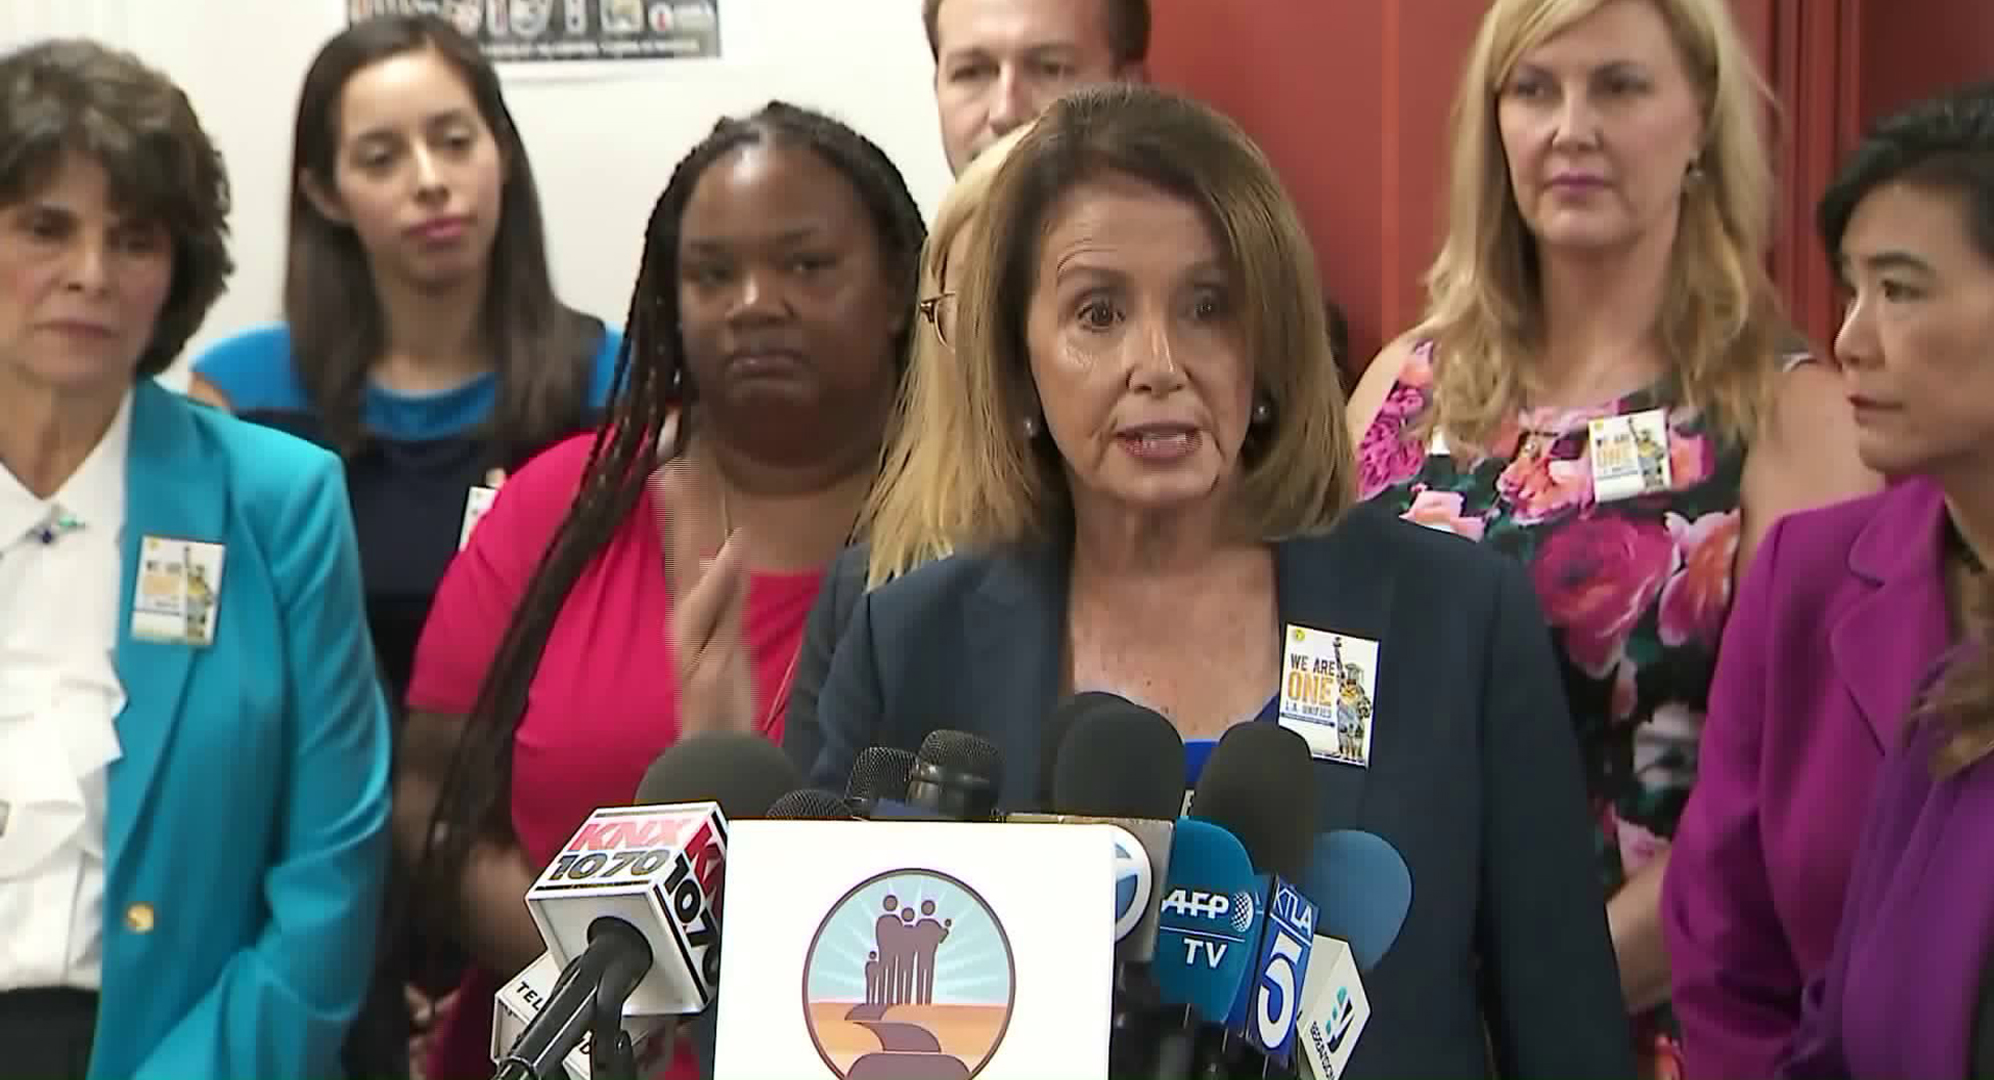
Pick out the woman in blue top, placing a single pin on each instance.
(423, 340)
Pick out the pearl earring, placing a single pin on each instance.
(1031, 426)
(1263, 411)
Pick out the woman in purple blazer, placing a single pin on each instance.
(1840, 621)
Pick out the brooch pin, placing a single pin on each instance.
(58, 525)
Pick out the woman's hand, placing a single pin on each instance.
(426, 1014)
(709, 592)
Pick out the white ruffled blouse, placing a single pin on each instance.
(60, 696)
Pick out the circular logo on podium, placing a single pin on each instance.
(910, 977)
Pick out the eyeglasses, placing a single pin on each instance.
(940, 313)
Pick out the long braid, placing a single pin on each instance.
(651, 382)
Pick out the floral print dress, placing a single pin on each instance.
(1635, 590)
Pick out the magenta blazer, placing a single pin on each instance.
(1900, 994)
(1840, 618)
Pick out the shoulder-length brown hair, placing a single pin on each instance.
(1721, 320)
(1297, 477)
(60, 98)
(542, 349)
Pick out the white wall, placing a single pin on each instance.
(603, 141)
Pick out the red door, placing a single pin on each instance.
(1349, 99)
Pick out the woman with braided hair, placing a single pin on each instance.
(652, 582)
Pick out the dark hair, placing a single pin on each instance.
(77, 97)
(542, 349)
(1128, 29)
(651, 382)
(1943, 145)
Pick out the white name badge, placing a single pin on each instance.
(178, 593)
(919, 949)
(1328, 684)
(1630, 455)
(476, 502)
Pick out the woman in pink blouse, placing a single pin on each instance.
(763, 353)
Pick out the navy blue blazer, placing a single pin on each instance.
(1474, 775)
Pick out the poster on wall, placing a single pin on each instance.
(555, 35)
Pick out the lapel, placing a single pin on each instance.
(173, 488)
(1016, 636)
(1889, 639)
(1343, 583)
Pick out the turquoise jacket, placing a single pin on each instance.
(247, 841)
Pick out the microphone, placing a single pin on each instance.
(631, 905)
(616, 959)
(1259, 785)
(1204, 921)
(956, 775)
(1364, 891)
(1052, 736)
(1249, 762)
(518, 1000)
(880, 772)
(811, 804)
(1120, 764)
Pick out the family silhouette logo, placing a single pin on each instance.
(909, 977)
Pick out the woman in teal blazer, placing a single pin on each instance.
(216, 858)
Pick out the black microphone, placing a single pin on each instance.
(743, 773)
(956, 776)
(1259, 785)
(811, 804)
(1052, 734)
(617, 958)
(880, 772)
(1122, 764)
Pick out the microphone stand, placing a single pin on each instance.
(591, 991)
(611, 1056)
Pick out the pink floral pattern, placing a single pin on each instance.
(1386, 458)
(1699, 592)
(1635, 591)
(1596, 578)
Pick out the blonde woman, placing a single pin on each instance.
(908, 518)
(1597, 388)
